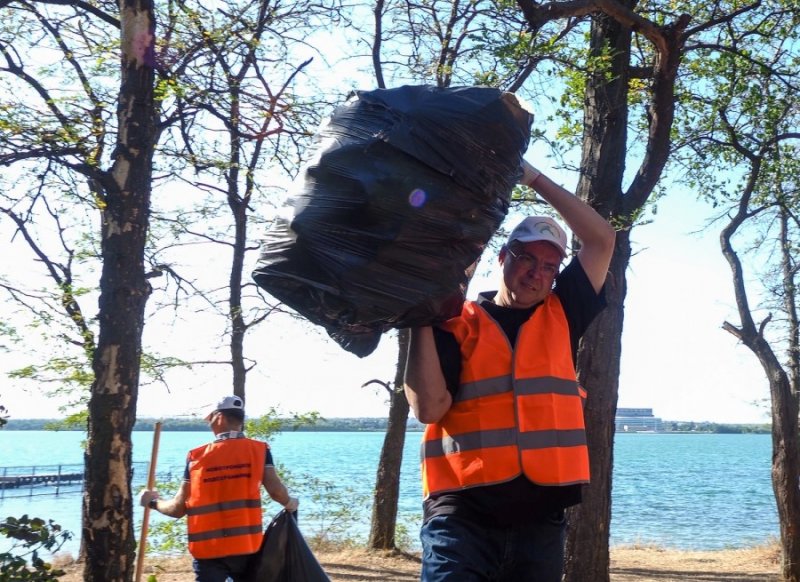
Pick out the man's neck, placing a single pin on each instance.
(228, 434)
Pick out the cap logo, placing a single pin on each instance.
(546, 228)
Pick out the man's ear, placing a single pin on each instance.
(501, 257)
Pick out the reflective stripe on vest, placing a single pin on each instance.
(515, 412)
(224, 506)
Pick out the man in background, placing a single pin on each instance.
(504, 452)
(221, 495)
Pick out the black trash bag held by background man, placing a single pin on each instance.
(285, 555)
(405, 190)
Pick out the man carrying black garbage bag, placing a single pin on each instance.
(221, 495)
(504, 452)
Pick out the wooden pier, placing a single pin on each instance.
(19, 481)
(56, 479)
(40, 480)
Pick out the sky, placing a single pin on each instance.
(676, 358)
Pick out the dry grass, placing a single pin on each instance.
(640, 563)
(628, 564)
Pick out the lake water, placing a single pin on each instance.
(688, 491)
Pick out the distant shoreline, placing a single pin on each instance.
(363, 424)
(366, 424)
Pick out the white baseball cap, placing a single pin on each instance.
(544, 228)
(227, 403)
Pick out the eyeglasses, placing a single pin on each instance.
(531, 263)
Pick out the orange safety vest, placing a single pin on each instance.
(224, 506)
(516, 411)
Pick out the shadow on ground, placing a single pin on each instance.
(404, 570)
(350, 573)
(645, 574)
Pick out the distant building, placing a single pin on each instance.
(637, 420)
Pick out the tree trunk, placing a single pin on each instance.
(236, 314)
(783, 388)
(387, 482)
(785, 393)
(587, 553)
(238, 208)
(107, 506)
(600, 183)
(786, 470)
(785, 438)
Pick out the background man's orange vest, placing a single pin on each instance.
(224, 505)
(516, 411)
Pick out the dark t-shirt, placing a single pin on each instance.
(518, 500)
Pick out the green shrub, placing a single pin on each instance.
(32, 535)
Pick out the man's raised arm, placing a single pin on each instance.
(595, 233)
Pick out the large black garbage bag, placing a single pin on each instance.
(285, 555)
(405, 190)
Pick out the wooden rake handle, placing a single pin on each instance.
(151, 483)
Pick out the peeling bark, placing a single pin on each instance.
(107, 504)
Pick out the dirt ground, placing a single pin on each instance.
(629, 564)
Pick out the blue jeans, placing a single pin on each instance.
(457, 550)
(220, 569)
